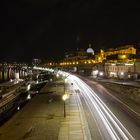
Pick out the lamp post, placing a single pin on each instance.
(65, 80)
(64, 97)
(64, 86)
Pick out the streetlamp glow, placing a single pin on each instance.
(66, 80)
(122, 73)
(64, 98)
(57, 75)
(28, 97)
(101, 73)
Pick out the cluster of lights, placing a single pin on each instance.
(52, 64)
(115, 64)
(120, 72)
(69, 63)
(99, 73)
(122, 55)
(46, 69)
(76, 62)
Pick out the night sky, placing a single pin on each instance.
(46, 29)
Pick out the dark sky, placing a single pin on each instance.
(47, 28)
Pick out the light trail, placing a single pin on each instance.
(110, 126)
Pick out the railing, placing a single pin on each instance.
(6, 98)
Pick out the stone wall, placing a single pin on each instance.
(130, 92)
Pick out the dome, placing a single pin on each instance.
(90, 50)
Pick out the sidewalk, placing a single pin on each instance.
(73, 126)
(42, 117)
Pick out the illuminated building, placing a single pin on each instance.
(120, 62)
(127, 49)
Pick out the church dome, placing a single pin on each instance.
(90, 50)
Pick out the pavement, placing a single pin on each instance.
(42, 118)
(73, 126)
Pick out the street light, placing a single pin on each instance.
(64, 97)
(65, 80)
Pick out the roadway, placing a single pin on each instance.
(111, 121)
(106, 120)
(105, 94)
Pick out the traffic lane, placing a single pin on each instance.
(39, 119)
(92, 124)
(89, 119)
(125, 119)
(111, 127)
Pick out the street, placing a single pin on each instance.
(112, 122)
(89, 113)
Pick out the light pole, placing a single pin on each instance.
(64, 86)
(64, 97)
(65, 79)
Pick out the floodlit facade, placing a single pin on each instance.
(119, 63)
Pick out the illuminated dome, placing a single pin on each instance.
(90, 50)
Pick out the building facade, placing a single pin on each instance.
(121, 62)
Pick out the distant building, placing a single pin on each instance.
(122, 62)
(119, 62)
(36, 62)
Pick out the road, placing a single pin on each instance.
(102, 112)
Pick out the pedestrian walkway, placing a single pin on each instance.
(73, 126)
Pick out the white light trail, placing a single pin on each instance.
(113, 126)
